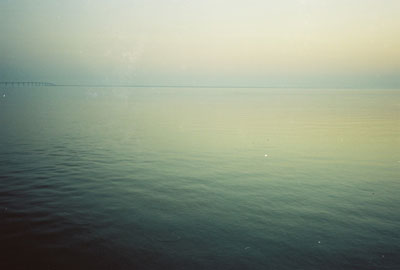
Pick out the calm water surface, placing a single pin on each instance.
(189, 178)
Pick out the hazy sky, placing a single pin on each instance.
(202, 42)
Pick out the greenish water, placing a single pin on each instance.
(191, 178)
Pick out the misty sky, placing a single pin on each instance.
(332, 43)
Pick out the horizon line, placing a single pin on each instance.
(16, 83)
(226, 86)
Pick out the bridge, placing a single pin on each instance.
(19, 84)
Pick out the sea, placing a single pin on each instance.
(199, 178)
